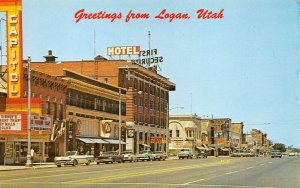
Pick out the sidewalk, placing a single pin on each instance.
(23, 167)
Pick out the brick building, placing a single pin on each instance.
(147, 97)
(48, 105)
(236, 130)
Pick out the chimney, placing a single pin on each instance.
(50, 57)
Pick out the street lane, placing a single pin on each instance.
(212, 172)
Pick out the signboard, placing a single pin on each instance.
(13, 10)
(123, 50)
(41, 124)
(157, 140)
(106, 128)
(11, 122)
(148, 58)
(130, 133)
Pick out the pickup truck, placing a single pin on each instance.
(73, 158)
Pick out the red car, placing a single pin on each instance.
(159, 155)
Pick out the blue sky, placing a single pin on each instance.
(244, 66)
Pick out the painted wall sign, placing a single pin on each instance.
(13, 10)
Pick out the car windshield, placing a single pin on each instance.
(184, 150)
(70, 153)
(127, 152)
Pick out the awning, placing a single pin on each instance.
(146, 145)
(86, 140)
(110, 141)
(99, 141)
(92, 140)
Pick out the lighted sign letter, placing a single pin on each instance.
(12, 42)
(14, 77)
(13, 31)
(13, 19)
(13, 65)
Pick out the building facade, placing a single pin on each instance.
(147, 97)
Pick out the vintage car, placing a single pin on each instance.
(185, 153)
(159, 155)
(146, 155)
(129, 156)
(109, 157)
(201, 154)
(73, 158)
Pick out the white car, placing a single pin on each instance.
(73, 158)
(291, 154)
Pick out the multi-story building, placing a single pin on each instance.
(147, 97)
(236, 130)
(185, 131)
(218, 135)
(47, 108)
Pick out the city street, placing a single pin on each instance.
(211, 172)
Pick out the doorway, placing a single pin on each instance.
(2, 151)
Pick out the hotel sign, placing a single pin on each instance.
(13, 10)
(11, 122)
(123, 50)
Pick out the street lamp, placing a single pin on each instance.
(28, 158)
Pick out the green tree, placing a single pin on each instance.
(279, 146)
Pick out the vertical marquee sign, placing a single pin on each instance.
(13, 10)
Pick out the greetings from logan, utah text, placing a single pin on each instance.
(201, 13)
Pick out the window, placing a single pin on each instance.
(61, 111)
(54, 110)
(170, 134)
(177, 133)
(47, 107)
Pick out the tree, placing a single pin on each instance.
(279, 146)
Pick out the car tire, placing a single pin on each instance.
(75, 163)
(98, 162)
(58, 165)
(88, 163)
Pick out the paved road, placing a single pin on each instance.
(211, 172)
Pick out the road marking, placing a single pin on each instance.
(193, 181)
(134, 183)
(270, 162)
(262, 164)
(249, 167)
(232, 172)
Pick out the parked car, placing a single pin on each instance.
(129, 156)
(201, 154)
(109, 157)
(185, 153)
(159, 155)
(146, 155)
(73, 158)
(291, 154)
(276, 154)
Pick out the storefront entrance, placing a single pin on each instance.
(2, 151)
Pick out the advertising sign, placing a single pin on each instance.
(106, 128)
(13, 10)
(123, 50)
(130, 133)
(11, 122)
(41, 124)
